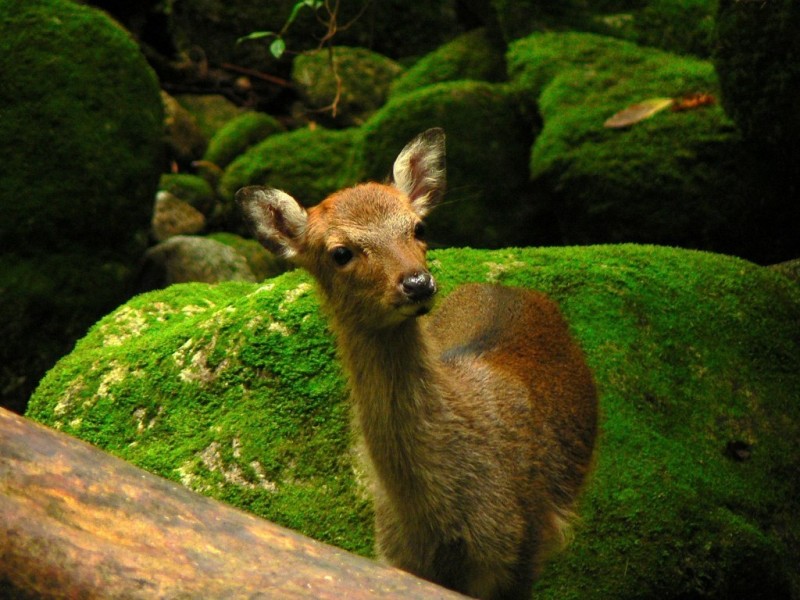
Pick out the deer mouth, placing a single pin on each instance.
(411, 309)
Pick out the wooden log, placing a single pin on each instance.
(76, 522)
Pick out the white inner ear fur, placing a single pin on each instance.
(289, 220)
(277, 219)
(419, 171)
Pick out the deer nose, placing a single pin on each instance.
(418, 286)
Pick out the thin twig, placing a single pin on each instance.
(257, 74)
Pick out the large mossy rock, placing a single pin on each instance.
(474, 55)
(239, 134)
(307, 163)
(235, 390)
(81, 138)
(80, 131)
(679, 178)
(488, 143)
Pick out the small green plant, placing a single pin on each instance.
(329, 20)
(278, 46)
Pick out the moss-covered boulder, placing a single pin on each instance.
(680, 26)
(345, 90)
(80, 131)
(758, 60)
(173, 216)
(210, 111)
(185, 141)
(679, 178)
(239, 134)
(474, 55)
(306, 163)
(262, 263)
(81, 126)
(192, 189)
(488, 143)
(191, 258)
(235, 390)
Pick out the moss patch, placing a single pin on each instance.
(309, 164)
(473, 55)
(264, 264)
(80, 131)
(192, 189)
(235, 390)
(239, 134)
(679, 178)
(487, 150)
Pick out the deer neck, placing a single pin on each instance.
(398, 392)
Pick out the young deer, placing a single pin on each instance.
(479, 421)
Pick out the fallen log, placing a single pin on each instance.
(76, 522)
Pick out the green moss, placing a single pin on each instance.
(235, 390)
(210, 111)
(660, 180)
(80, 131)
(309, 164)
(358, 86)
(263, 264)
(239, 134)
(473, 55)
(487, 150)
(192, 189)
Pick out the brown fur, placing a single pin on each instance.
(478, 421)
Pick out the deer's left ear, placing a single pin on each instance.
(419, 170)
(276, 219)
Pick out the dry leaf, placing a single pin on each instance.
(638, 112)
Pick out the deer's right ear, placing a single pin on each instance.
(419, 170)
(276, 219)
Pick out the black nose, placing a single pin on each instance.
(418, 287)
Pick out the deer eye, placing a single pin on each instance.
(341, 255)
(420, 230)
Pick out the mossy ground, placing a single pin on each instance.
(235, 390)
